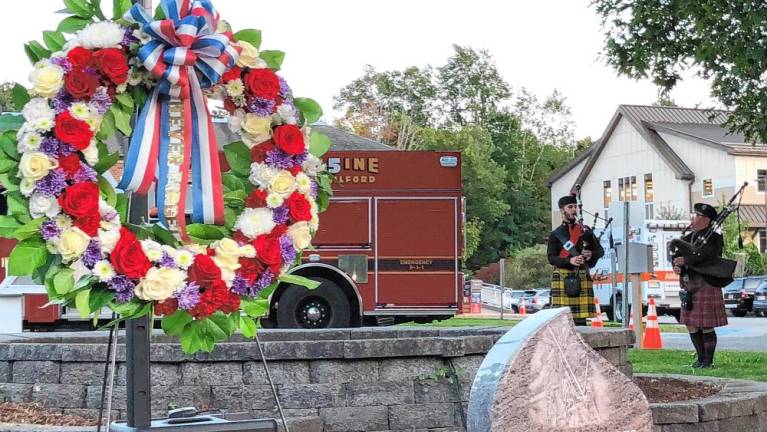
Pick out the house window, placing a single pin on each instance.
(633, 188)
(649, 210)
(607, 193)
(648, 191)
(621, 190)
(760, 177)
(708, 187)
(762, 240)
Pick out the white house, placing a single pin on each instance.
(664, 159)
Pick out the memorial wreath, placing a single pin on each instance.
(249, 224)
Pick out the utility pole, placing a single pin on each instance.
(502, 274)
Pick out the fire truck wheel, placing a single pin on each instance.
(323, 307)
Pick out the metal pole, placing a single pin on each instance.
(626, 264)
(614, 276)
(502, 265)
(138, 378)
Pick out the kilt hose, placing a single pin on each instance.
(581, 306)
(707, 305)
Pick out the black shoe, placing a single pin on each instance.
(707, 366)
(697, 364)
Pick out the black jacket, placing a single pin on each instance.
(706, 256)
(555, 246)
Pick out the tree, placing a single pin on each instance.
(754, 260)
(6, 99)
(722, 40)
(528, 268)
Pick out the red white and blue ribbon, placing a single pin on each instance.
(186, 55)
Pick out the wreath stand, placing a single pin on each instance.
(138, 332)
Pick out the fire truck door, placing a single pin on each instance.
(416, 250)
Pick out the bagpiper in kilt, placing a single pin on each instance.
(582, 252)
(703, 305)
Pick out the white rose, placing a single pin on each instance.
(313, 165)
(36, 165)
(41, 205)
(248, 55)
(283, 183)
(259, 129)
(72, 243)
(254, 222)
(160, 283)
(301, 235)
(47, 79)
(261, 174)
(108, 239)
(103, 34)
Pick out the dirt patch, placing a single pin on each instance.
(658, 390)
(31, 413)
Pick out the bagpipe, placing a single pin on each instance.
(718, 267)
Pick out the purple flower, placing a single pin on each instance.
(284, 88)
(49, 230)
(261, 107)
(86, 174)
(314, 189)
(92, 254)
(52, 184)
(280, 214)
(62, 62)
(101, 101)
(287, 249)
(61, 101)
(239, 285)
(123, 287)
(300, 158)
(124, 296)
(167, 261)
(66, 149)
(50, 146)
(128, 38)
(262, 282)
(188, 297)
(279, 159)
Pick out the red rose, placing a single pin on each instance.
(240, 238)
(128, 258)
(112, 63)
(250, 269)
(79, 57)
(70, 164)
(278, 230)
(72, 131)
(89, 224)
(229, 105)
(231, 303)
(300, 209)
(80, 84)
(256, 199)
(258, 152)
(81, 199)
(167, 307)
(268, 250)
(204, 271)
(262, 83)
(232, 74)
(289, 139)
(295, 169)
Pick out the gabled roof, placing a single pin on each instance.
(556, 175)
(340, 139)
(754, 214)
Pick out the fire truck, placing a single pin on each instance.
(388, 249)
(662, 284)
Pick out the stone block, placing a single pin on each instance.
(243, 397)
(92, 414)
(341, 371)
(31, 372)
(440, 347)
(87, 373)
(34, 352)
(312, 395)
(303, 424)
(162, 374)
(408, 368)
(303, 350)
(180, 396)
(379, 393)
(293, 335)
(88, 352)
(59, 395)
(477, 344)
(613, 355)
(167, 353)
(119, 397)
(282, 372)
(422, 416)
(211, 374)
(726, 406)
(16, 393)
(436, 391)
(667, 413)
(5, 371)
(363, 418)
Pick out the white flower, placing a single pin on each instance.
(304, 183)
(152, 249)
(254, 222)
(235, 120)
(43, 124)
(135, 76)
(108, 239)
(160, 283)
(47, 79)
(274, 200)
(103, 34)
(37, 108)
(234, 87)
(184, 258)
(29, 142)
(36, 165)
(72, 244)
(63, 221)
(287, 114)
(142, 36)
(107, 212)
(283, 183)
(41, 205)
(313, 165)
(91, 153)
(103, 270)
(261, 174)
(27, 186)
(300, 234)
(80, 110)
(248, 55)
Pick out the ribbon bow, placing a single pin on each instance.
(186, 55)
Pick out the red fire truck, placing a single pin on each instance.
(388, 249)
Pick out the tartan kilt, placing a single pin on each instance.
(581, 306)
(707, 305)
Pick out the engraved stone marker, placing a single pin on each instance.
(541, 376)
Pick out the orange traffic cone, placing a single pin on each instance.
(651, 338)
(597, 321)
(522, 308)
(631, 318)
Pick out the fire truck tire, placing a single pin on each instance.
(323, 307)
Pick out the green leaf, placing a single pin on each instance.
(251, 36)
(232, 183)
(255, 307)
(119, 8)
(99, 299)
(8, 165)
(159, 14)
(107, 191)
(33, 58)
(122, 119)
(64, 281)
(20, 96)
(10, 183)
(164, 236)
(48, 282)
(29, 229)
(8, 226)
(8, 144)
(125, 100)
(107, 128)
(230, 217)
(54, 40)
(127, 309)
(122, 206)
(40, 51)
(219, 326)
(142, 232)
(235, 197)
(299, 280)
(106, 160)
(72, 24)
(81, 303)
(196, 338)
(238, 156)
(319, 145)
(79, 8)
(206, 234)
(18, 206)
(309, 108)
(174, 324)
(273, 59)
(138, 94)
(248, 327)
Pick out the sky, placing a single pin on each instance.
(541, 45)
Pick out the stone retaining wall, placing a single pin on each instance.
(379, 379)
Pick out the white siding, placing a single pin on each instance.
(562, 187)
(746, 171)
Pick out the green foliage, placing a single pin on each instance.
(310, 110)
(754, 260)
(27, 256)
(250, 36)
(528, 268)
(721, 40)
(273, 59)
(729, 364)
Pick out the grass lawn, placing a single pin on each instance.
(477, 322)
(727, 364)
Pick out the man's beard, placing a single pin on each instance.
(569, 218)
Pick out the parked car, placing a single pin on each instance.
(517, 295)
(739, 294)
(541, 300)
(760, 300)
